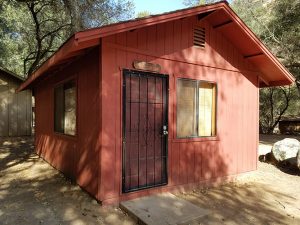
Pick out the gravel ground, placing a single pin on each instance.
(32, 192)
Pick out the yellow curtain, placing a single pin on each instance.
(206, 120)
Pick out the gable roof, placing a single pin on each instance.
(11, 74)
(219, 15)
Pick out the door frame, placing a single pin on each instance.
(144, 73)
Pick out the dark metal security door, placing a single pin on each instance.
(145, 131)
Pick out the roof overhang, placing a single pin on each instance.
(11, 74)
(219, 15)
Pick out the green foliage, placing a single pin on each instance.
(284, 35)
(13, 45)
(31, 30)
(277, 24)
(143, 14)
(255, 14)
(274, 103)
(93, 13)
(198, 2)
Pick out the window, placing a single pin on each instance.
(65, 108)
(196, 108)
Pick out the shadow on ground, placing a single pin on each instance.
(32, 192)
(243, 205)
(265, 196)
(289, 169)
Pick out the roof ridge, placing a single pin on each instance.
(151, 16)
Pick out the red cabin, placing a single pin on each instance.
(154, 104)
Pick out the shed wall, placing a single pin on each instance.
(190, 161)
(289, 127)
(15, 108)
(76, 156)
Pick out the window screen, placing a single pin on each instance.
(196, 108)
(65, 108)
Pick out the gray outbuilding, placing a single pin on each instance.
(15, 108)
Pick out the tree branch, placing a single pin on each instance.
(54, 31)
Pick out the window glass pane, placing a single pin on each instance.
(186, 108)
(59, 109)
(206, 120)
(70, 109)
(65, 108)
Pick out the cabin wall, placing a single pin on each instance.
(76, 156)
(15, 108)
(190, 161)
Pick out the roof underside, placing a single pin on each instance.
(219, 15)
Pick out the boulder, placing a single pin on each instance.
(298, 159)
(286, 150)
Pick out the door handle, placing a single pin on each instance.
(165, 130)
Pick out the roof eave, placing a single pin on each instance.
(78, 39)
(91, 37)
(290, 78)
(148, 21)
(64, 52)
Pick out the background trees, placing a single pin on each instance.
(31, 30)
(277, 24)
(198, 2)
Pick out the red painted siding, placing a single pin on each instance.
(76, 156)
(94, 156)
(195, 160)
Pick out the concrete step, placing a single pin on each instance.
(163, 209)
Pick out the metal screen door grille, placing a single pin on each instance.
(144, 117)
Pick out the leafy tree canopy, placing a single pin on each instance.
(277, 24)
(198, 2)
(31, 30)
(143, 14)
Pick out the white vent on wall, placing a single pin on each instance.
(199, 37)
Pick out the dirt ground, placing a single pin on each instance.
(32, 192)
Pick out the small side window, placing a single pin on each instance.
(65, 108)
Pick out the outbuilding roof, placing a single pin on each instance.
(11, 74)
(219, 15)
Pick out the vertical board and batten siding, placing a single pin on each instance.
(15, 108)
(76, 156)
(193, 160)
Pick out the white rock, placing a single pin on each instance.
(298, 159)
(286, 150)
